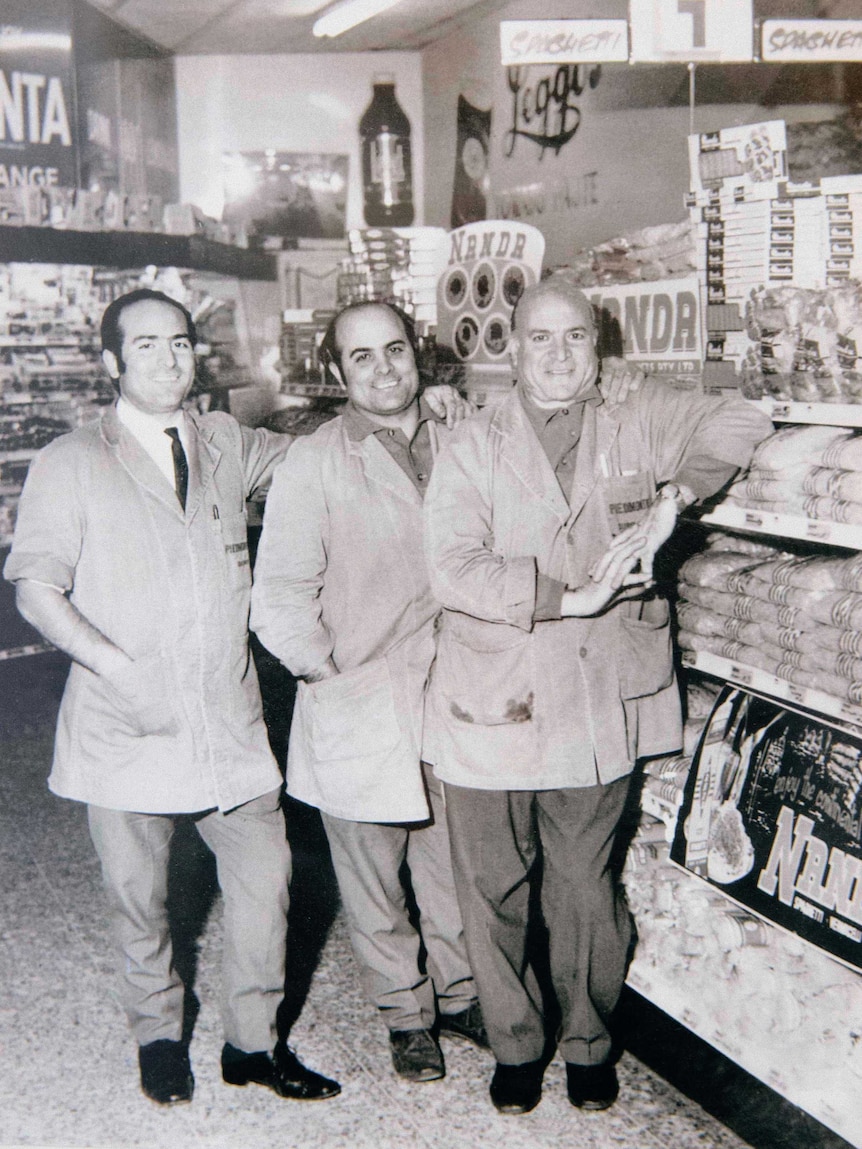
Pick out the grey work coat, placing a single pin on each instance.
(181, 729)
(340, 574)
(515, 704)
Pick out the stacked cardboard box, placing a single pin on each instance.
(755, 231)
(395, 265)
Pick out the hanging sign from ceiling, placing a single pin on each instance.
(699, 31)
(811, 41)
(563, 42)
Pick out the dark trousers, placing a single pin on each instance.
(496, 836)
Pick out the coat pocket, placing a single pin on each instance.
(353, 714)
(646, 651)
(134, 703)
(233, 530)
(484, 672)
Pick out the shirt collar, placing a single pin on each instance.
(141, 424)
(540, 417)
(359, 426)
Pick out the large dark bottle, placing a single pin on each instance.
(387, 167)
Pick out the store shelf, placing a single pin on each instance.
(830, 414)
(130, 249)
(785, 526)
(25, 651)
(25, 398)
(797, 1052)
(770, 684)
(18, 456)
(27, 344)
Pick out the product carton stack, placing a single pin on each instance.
(395, 265)
(756, 231)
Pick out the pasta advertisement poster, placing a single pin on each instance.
(772, 814)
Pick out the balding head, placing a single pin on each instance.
(553, 343)
(558, 287)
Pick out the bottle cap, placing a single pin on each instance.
(384, 78)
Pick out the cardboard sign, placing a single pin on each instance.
(810, 41)
(714, 31)
(489, 265)
(656, 325)
(563, 42)
(772, 814)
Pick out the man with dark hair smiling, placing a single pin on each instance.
(131, 556)
(341, 598)
(554, 670)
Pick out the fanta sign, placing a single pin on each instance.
(37, 107)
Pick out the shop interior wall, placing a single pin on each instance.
(290, 103)
(293, 103)
(625, 167)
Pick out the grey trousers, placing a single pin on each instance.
(367, 858)
(496, 836)
(254, 865)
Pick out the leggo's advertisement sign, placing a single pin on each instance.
(773, 814)
(656, 325)
(36, 105)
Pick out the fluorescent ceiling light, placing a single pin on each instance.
(19, 40)
(348, 14)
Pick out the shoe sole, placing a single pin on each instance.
(593, 1106)
(515, 1110)
(425, 1075)
(169, 1103)
(284, 1096)
(463, 1038)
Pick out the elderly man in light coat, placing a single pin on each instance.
(552, 679)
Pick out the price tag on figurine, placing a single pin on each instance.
(708, 31)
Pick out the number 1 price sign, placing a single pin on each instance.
(694, 31)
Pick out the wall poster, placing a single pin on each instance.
(286, 194)
(773, 815)
(37, 144)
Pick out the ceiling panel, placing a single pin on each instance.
(197, 27)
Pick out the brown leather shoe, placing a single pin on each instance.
(416, 1055)
(281, 1071)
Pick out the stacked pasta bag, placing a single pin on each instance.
(804, 345)
(811, 471)
(799, 618)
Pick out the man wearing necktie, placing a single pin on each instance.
(131, 555)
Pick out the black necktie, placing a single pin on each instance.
(181, 465)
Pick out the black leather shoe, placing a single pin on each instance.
(416, 1055)
(281, 1071)
(517, 1088)
(166, 1075)
(592, 1086)
(468, 1025)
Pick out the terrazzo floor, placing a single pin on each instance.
(68, 1069)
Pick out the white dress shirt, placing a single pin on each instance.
(149, 430)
